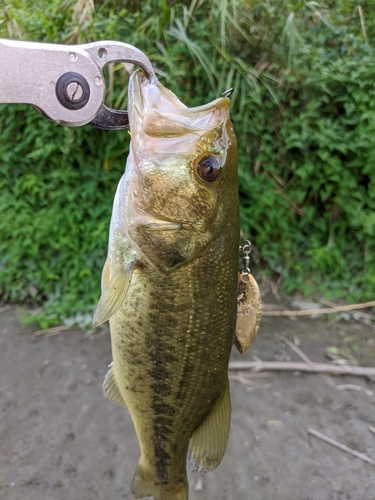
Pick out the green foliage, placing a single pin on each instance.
(304, 112)
(56, 195)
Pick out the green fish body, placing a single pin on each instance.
(169, 286)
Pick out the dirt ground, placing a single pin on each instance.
(60, 439)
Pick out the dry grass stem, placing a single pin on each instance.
(328, 380)
(251, 385)
(341, 446)
(5, 308)
(50, 331)
(362, 18)
(294, 348)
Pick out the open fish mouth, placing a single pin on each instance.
(156, 113)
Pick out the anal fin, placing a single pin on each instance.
(111, 390)
(209, 441)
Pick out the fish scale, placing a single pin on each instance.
(190, 381)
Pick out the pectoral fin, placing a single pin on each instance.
(249, 312)
(209, 441)
(111, 390)
(105, 274)
(113, 294)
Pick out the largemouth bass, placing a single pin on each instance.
(169, 285)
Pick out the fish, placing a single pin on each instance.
(170, 283)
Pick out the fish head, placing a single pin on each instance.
(180, 189)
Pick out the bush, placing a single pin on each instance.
(303, 108)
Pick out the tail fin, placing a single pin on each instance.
(144, 486)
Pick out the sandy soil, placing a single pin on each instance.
(62, 440)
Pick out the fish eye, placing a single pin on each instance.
(209, 168)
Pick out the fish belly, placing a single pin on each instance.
(171, 342)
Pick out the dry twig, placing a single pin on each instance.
(341, 446)
(309, 366)
(359, 314)
(258, 366)
(309, 312)
(5, 308)
(342, 387)
(353, 387)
